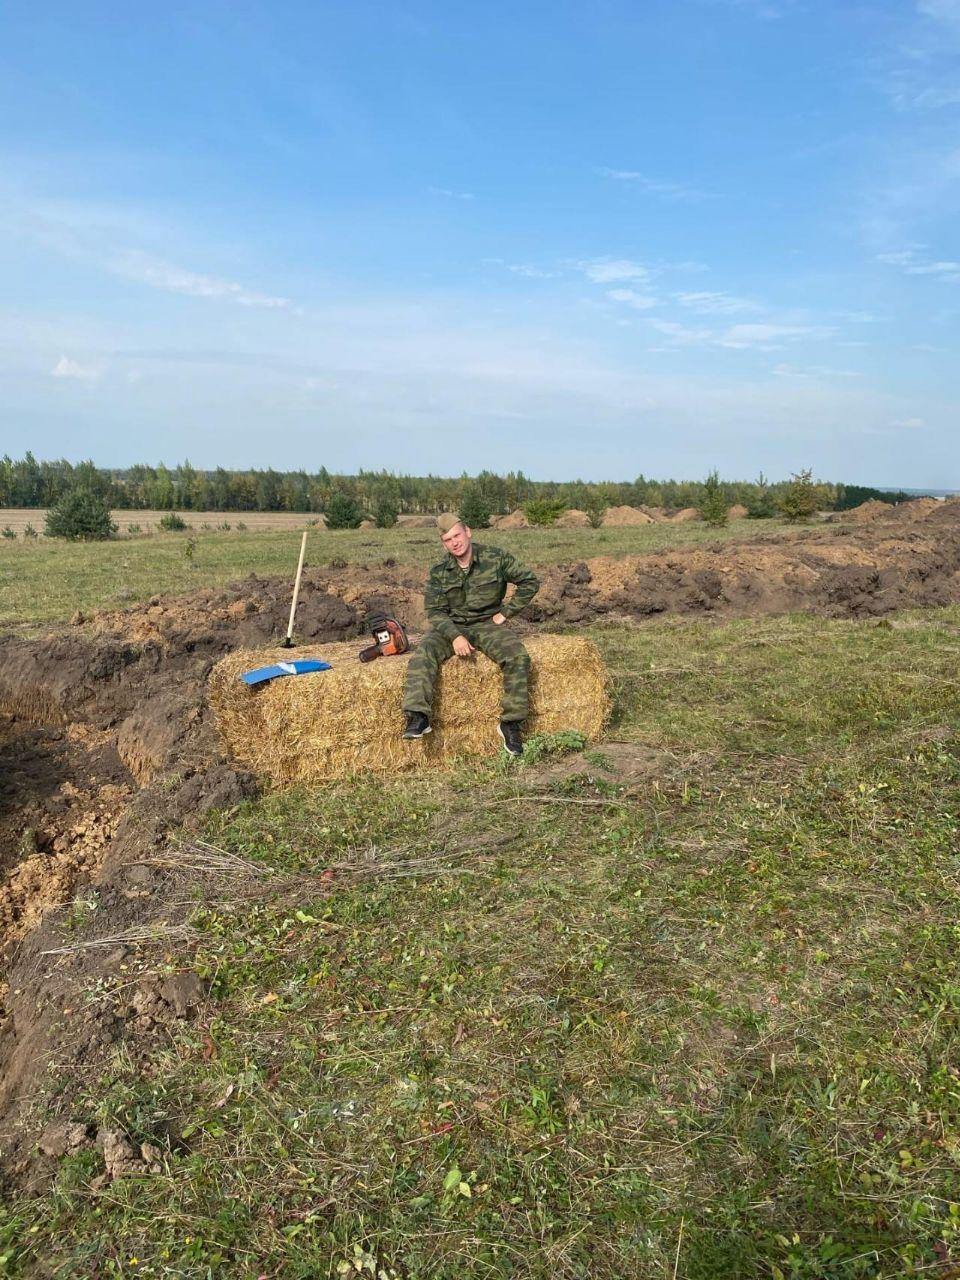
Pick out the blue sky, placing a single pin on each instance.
(579, 239)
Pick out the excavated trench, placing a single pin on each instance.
(107, 744)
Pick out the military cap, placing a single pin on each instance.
(447, 520)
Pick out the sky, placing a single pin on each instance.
(589, 239)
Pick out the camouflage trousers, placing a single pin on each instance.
(497, 642)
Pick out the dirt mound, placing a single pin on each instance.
(107, 744)
(626, 516)
(831, 570)
(684, 515)
(919, 509)
(573, 519)
(867, 512)
(515, 520)
(737, 512)
(417, 522)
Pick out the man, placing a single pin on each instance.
(466, 611)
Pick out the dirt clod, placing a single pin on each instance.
(182, 993)
(119, 1156)
(62, 1136)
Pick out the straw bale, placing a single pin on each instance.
(347, 720)
(626, 515)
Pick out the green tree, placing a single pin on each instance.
(386, 508)
(799, 499)
(343, 512)
(544, 511)
(761, 505)
(474, 508)
(80, 516)
(713, 505)
(595, 507)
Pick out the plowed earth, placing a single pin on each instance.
(107, 746)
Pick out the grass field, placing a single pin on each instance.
(48, 580)
(690, 1010)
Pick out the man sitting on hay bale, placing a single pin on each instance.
(466, 611)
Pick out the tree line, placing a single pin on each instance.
(27, 482)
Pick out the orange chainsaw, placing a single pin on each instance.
(389, 637)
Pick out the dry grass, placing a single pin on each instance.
(347, 720)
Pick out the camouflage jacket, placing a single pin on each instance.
(455, 597)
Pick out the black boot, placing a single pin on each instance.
(417, 725)
(509, 731)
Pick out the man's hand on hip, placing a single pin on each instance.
(462, 647)
(499, 619)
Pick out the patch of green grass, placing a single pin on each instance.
(129, 571)
(541, 746)
(702, 1021)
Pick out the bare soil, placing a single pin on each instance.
(18, 518)
(107, 748)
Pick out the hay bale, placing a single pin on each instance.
(348, 720)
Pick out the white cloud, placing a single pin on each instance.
(450, 194)
(134, 265)
(902, 258)
(770, 336)
(630, 297)
(657, 186)
(914, 265)
(612, 270)
(944, 11)
(705, 303)
(742, 337)
(813, 371)
(530, 272)
(860, 317)
(67, 368)
(908, 424)
(681, 335)
(919, 73)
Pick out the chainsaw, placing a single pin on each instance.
(389, 637)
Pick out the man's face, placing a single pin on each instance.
(457, 541)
